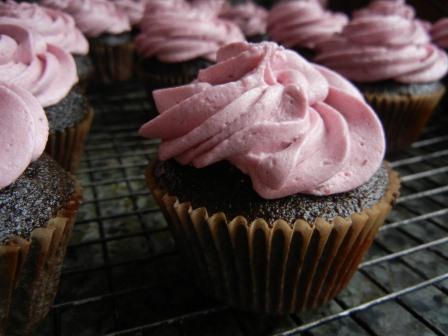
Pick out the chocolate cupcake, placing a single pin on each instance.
(38, 205)
(270, 174)
(387, 53)
(49, 73)
(57, 28)
(178, 39)
(250, 17)
(109, 33)
(303, 25)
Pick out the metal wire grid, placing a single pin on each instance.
(124, 276)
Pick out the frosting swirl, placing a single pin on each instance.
(56, 27)
(134, 9)
(45, 70)
(439, 33)
(387, 7)
(303, 24)
(177, 31)
(94, 17)
(292, 126)
(376, 47)
(251, 18)
(24, 132)
(392, 7)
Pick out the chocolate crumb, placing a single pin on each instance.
(222, 187)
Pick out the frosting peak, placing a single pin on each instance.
(54, 26)
(24, 132)
(134, 9)
(94, 17)
(303, 24)
(45, 70)
(292, 126)
(384, 42)
(178, 31)
(251, 18)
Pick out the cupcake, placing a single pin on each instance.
(388, 55)
(55, 27)
(49, 73)
(38, 205)
(178, 38)
(250, 17)
(303, 25)
(439, 33)
(109, 33)
(271, 175)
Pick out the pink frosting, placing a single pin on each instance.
(45, 70)
(94, 17)
(177, 31)
(292, 126)
(439, 33)
(56, 27)
(24, 132)
(375, 46)
(134, 9)
(392, 7)
(251, 18)
(303, 23)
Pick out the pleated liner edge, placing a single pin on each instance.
(30, 271)
(272, 269)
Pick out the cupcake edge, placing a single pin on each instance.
(279, 269)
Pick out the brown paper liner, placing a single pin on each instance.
(30, 271)
(403, 116)
(272, 269)
(112, 63)
(155, 81)
(66, 147)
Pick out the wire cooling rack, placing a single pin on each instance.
(123, 275)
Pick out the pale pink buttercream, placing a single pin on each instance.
(375, 46)
(134, 9)
(26, 60)
(439, 33)
(303, 24)
(24, 132)
(177, 31)
(251, 18)
(94, 17)
(55, 26)
(292, 126)
(392, 7)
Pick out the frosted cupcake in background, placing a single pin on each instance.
(38, 206)
(56, 27)
(303, 25)
(49, 73)
(250, 17)
(388, 54)
(109, 32)
(439, 33)
(271, 175)
(178, 38)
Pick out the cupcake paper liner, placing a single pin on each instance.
(158, 79)
(403, 116)
(112, 63)
(152, 80)
(30, 271)
(272, 269)
(66, 147)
